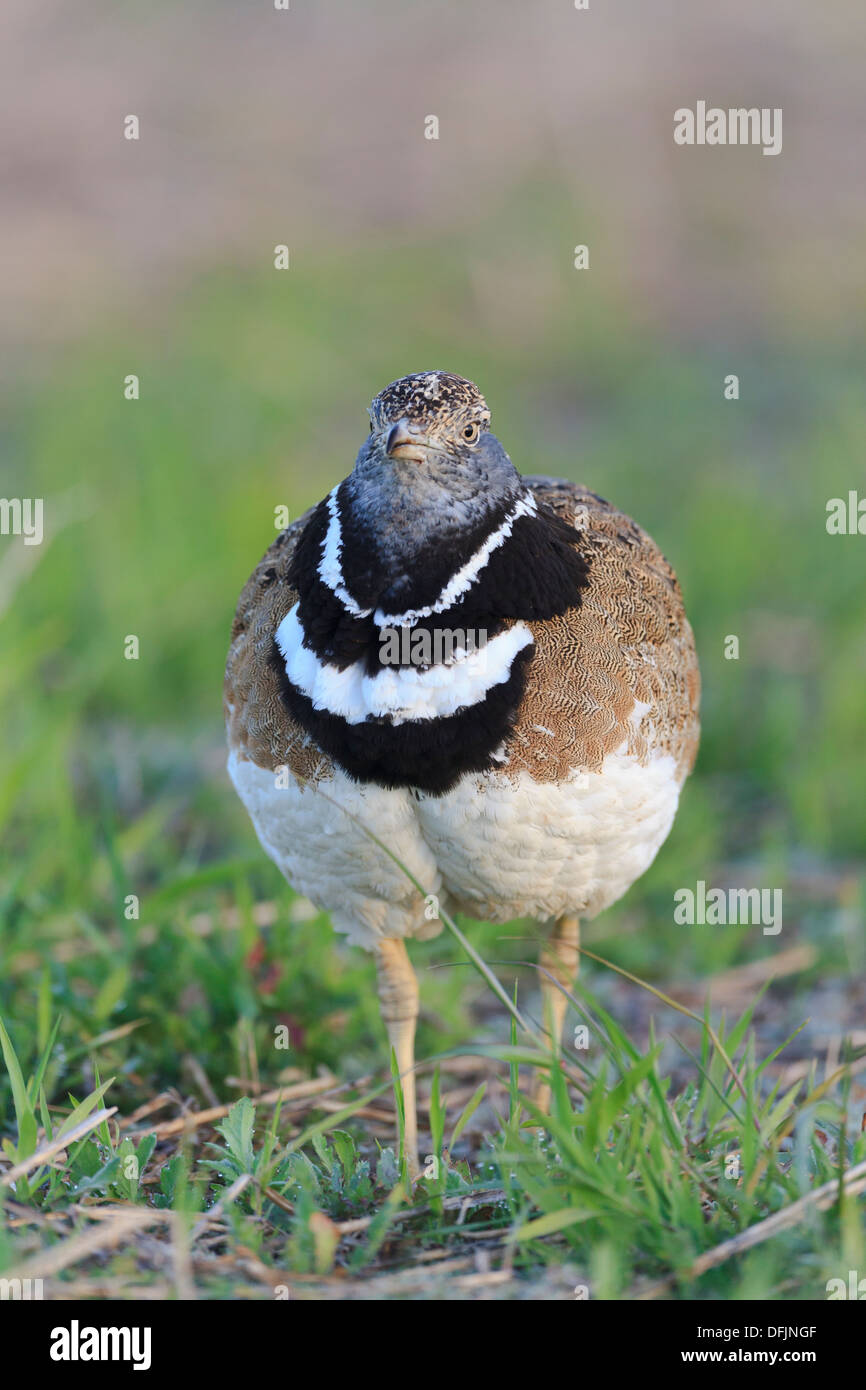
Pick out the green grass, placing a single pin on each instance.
(253, 395)
(627, 1189)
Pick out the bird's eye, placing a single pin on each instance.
(471, 432)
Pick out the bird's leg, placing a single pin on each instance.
(559, 957)
(398, 999)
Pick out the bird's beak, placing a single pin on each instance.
(403, 442)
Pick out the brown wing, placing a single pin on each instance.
(628, 640)
(257, 723)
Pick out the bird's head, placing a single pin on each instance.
(429, 413)
(430, 451)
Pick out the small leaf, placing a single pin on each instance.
(99, 1181)
(27, 1126)
(83, 1109)
(387, 1170)
(550, 1223)
(468, 1111)
(237, 1130)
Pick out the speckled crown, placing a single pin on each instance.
(428, 396)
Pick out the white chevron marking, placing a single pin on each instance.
(331, 570)
(401, 693)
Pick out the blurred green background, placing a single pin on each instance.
(156, 258)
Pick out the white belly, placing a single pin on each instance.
(494, 847)
(520, 848)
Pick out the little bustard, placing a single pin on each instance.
(493, 673)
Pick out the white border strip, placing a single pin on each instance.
(466, 575)
(331, 570)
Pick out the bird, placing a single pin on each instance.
(452, 675)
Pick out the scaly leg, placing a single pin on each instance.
(559, 956)
(398, 999)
